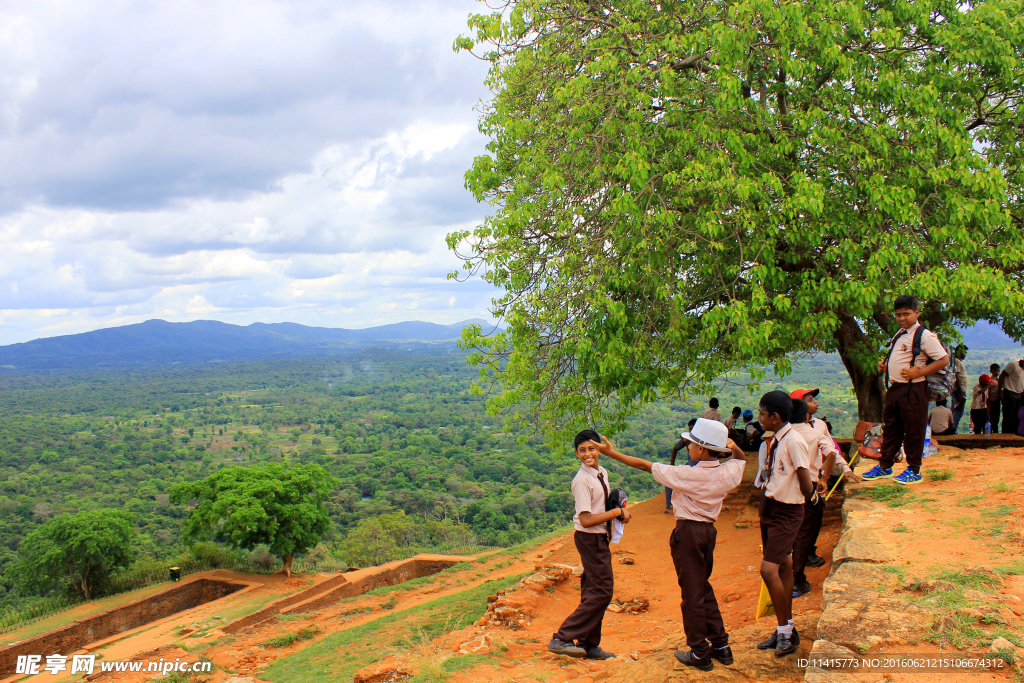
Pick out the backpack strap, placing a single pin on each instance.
(892, 345)
(915, 349)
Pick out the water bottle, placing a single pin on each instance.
(988, 429)
(927, 443)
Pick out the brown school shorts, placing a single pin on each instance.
(780, 523)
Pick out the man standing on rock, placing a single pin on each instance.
(697, 495)
(580, 634)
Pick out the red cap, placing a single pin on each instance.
(984, 380)
(801, 393)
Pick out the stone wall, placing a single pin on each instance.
(67, 639)
(857, 616)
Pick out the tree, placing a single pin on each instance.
(282, 507)
(685, 189)
(77, 552)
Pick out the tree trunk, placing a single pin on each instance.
(867, 384)
(287, 569)
(85, 589)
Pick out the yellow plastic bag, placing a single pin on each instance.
(764, 601)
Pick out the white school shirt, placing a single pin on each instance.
(589, 496)
(698, 491)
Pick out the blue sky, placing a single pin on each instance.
(240, 161)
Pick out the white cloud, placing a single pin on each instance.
(263, 160)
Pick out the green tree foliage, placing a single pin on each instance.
(687, 188)
(395, 535)
(77, 552)
(280, 506)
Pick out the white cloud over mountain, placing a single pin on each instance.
(247, 161)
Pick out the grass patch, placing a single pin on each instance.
(998, 511)
(338, 656)
(1015, 568)
(900, 529)
(897, 571)
(969, 501)
(893, 495)
(289, 638)
(939, 475)
(1002, 487)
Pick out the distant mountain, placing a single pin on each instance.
(985, 335)
(157, 342)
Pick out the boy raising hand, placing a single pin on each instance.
(697, 494)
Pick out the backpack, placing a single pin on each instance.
(941, 383)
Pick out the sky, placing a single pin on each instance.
(263, 160)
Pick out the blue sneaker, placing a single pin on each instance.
(909, 476)
(877, 472)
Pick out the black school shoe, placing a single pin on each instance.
(814, 560)
(773, 641)
(724, 655)
(560, 647)
(598, 653)
(786, 645)
(802, 588)
(690, 659)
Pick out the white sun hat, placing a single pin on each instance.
(710, 434)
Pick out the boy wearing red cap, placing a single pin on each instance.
(979, 403)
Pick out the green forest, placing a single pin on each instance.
(419, 462)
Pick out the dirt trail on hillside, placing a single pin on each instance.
(645, 641)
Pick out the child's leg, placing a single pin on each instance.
(892, 426)
(693, 556)
(806, 538)
(913, 407)
(780, 523)
(596, 589)
(712, 614)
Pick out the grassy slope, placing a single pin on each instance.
(339, 656)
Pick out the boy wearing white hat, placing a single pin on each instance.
(697, 495)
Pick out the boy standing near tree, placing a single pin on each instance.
(905, 415)
(580, 634)
(697, 495)
(787, 486)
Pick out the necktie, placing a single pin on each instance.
(769, 461)
(600, 478)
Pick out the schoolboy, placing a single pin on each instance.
(697, 497)
(822, 437)
(940, 419)
(787, 487)
(712, 412)
(580, 634)
(730, 422)
(823, 458)
(905, 414)
(995, 397)
(979, 404)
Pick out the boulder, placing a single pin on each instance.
(390, 670)
(858, 621)
(856, 578)
(862, 544)
(823, 649)
(859, 512)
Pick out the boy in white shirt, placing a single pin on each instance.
(697, 495)
(787, 485)
(593, 530)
